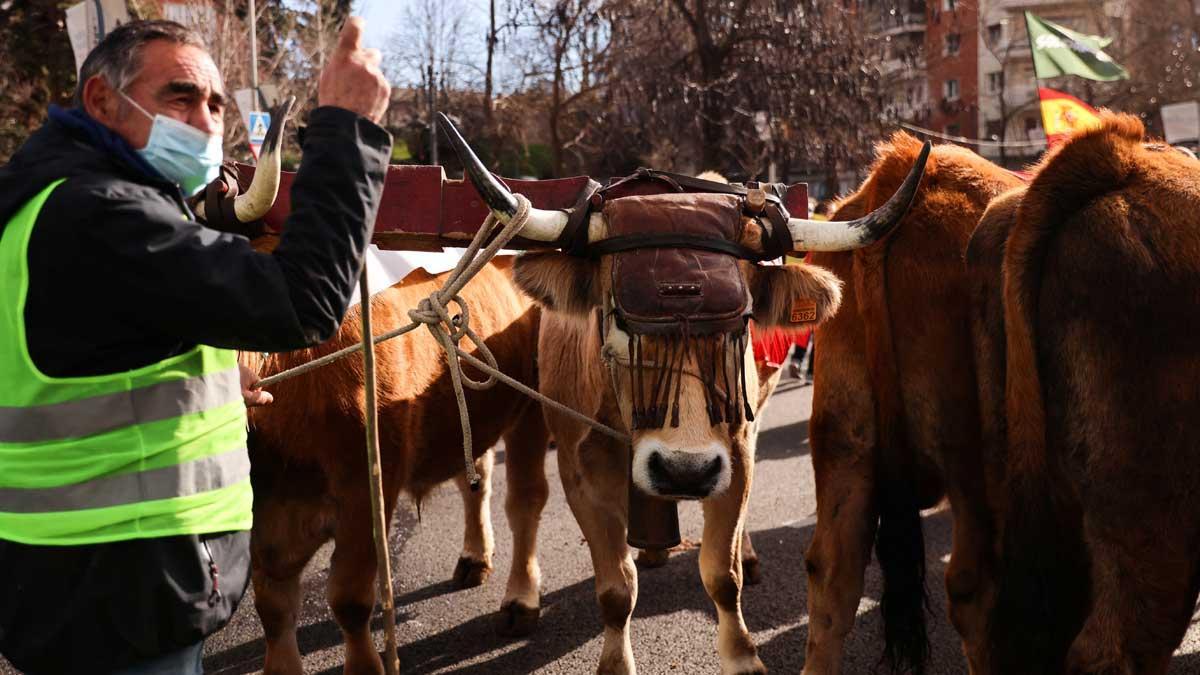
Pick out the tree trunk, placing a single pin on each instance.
(712, 110)
(491, 51)
(556, 149)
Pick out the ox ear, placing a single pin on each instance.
(793, 296)
(560, 282)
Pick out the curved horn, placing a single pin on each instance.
(816, 235)
(541, 226)
(260, 196)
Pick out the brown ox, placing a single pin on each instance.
(586, 356)
(309, 468)
(1091, 285)
(894, 424)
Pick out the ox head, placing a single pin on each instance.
(668, 283)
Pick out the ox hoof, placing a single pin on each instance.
(751, 666)
(516, 620)
(651, 558)
(471, 573)
(751, 572)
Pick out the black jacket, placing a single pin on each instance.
(119, 279)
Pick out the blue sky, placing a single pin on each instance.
(382, 16)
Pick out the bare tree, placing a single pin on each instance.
(423, 56)
(567, 47)
(752, 82)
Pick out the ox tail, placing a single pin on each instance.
(1043, 585)
(900, 550)
(899, 539)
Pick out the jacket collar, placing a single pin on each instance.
(84, 127)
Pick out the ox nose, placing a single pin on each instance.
(684, 474)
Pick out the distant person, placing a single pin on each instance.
(125, 500)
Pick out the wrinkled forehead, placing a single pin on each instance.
(168, 67)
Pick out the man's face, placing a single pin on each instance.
(178, 81)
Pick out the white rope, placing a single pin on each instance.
(449, 330)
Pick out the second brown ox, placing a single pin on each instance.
(895, 424)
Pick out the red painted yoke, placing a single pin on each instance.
(422, 210)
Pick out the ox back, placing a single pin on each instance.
(1098, 322)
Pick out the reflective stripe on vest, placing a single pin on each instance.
(189, 478)
(89, 416)
(156, 451)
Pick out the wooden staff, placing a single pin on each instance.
(391, 661)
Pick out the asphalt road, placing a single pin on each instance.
(442, 630)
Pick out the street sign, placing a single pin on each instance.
(257, 128)
(1181, 122)
(88, 22)
(268, 95)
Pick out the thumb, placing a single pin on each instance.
(350, 39)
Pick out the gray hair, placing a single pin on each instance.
(118, 57)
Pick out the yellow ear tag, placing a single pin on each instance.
(804, 310)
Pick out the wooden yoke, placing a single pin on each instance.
(422, 210)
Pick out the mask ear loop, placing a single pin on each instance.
(134, 103)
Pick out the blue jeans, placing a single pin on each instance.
(186, 661)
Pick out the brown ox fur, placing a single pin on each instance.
(895, 423)
(309, 466)
(1097, 289)
(595, 469)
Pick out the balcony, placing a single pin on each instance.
(903, 66)
(897, 22)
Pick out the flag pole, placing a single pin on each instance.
(1037, 82)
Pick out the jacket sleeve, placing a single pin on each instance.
(184, 280)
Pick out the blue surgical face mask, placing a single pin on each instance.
(182, 153)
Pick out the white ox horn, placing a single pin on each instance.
(541, 225)
(260, 196)
(836, 235)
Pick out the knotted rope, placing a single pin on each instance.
(448, 330)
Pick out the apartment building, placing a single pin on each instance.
(963, 67)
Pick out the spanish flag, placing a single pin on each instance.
(1063, 115)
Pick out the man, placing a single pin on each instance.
(125, 500)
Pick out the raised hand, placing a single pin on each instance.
(352, 78)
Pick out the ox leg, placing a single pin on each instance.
(970, 586)
(352, 576)
(286, 534)
(721, 571)
(1143, 592)
(838, 555)
(525, 475)
(751, 572)
(594, 479)
(651, 558)
(475, 562)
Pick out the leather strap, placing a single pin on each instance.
(639, 241)
(574, 237)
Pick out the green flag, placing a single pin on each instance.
(1058, 50)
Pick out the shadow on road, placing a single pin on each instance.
(570, 617)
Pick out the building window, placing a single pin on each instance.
(953, 42)
(995, 82)
(995, 33)
(950, 90)
(948, 5)
(995, 129)
(1031, 127)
